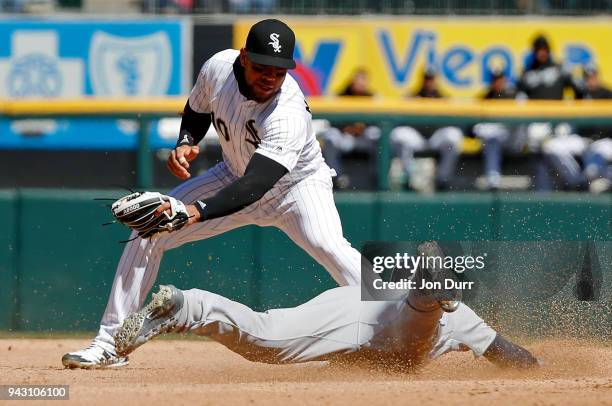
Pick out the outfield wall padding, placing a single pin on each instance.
(57, 262)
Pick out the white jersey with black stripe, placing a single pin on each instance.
(280, 129)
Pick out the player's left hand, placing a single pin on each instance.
(194, 214)
(150, 213)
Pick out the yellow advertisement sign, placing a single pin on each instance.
(463, 50)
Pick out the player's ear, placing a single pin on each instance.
(243, 57)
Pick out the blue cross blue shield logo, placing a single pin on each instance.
(120, 66)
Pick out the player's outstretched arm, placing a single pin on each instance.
(506, 354)
(260, 176)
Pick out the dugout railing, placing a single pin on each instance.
(385, 113)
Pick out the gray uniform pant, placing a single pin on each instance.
(335, 324)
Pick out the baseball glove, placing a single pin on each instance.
(137, 211)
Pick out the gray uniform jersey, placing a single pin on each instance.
(280, 129)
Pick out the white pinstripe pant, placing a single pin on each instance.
(305, 212)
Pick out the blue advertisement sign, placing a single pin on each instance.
(74, 58)
(107, 58)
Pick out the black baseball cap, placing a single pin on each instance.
(271, 42)
(541, 42)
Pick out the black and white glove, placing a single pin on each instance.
(137, 211)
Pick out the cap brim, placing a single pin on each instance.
(271, 60)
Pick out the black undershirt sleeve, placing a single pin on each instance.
(193, 126)
(260, 176)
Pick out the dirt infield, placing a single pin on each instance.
(203, 372)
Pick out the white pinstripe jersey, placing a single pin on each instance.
(280, 129)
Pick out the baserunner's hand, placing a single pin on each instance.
(178, 161)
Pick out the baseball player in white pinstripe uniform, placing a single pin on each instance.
(272, 174)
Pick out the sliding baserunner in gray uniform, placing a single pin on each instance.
(334, 325)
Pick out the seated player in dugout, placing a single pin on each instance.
(340, 141)
(498, 138)
(416, 325)
(272, 175)
(447, 141)
(589, 144)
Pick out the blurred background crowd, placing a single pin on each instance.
(343, 7)
(566, 157)
(424, 155)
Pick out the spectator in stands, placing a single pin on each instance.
(591, 87)
(351, 138)
(447, 141)
(542, 77)
(359, 85)
(497, 137)
(594, 147)
(499, 87)
(429, 88)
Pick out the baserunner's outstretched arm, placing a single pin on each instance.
(505, 354)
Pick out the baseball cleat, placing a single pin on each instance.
(448, 299)
(93, 357)
(154, 319)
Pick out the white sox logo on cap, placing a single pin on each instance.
(275, 44)
(263, 46)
